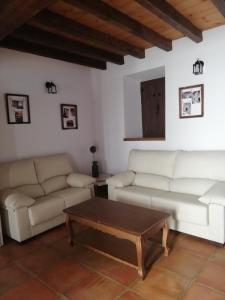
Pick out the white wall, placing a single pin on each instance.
(132, 108)
(26, 74)
(197, 133)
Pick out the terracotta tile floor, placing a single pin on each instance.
(47, 268)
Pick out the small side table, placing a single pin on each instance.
(101, 187)
(1, 234)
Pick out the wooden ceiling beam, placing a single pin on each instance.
(114, 16)
(170, 15)
(51, 21)
(24, 46)
(15, 13)
(220, 4)
(41, 37)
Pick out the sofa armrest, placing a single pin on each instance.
(121, 179)
(215, 195)
(79, 180)
(17, 200)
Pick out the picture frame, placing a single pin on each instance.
(17, 109)
(69, 116)
(191, 101)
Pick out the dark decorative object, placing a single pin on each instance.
(198, 67)
(17, 109)
(51, 87)
(95, 170)
(69, 116)
(93, 149)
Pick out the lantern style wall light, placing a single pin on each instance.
(198, 67)
(51, 87)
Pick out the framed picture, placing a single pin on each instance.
(191, 101)
(17, 109)
(69, 116)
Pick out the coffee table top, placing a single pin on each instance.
(125, 217)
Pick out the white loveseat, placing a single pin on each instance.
(34, 192)
(188, 184)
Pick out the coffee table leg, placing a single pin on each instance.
(140, 258)
(164, 238)
(70, 230)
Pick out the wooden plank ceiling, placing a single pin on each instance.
(93, 32)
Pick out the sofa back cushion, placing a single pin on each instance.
(200, 164)
(153, 162)
(52, 166)
(54, 184)
(152, 181)
(18, 173)
(191, 186)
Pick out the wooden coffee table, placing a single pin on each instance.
(117, 230)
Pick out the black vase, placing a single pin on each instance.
(95, 171)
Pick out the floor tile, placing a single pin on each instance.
(183, 262)
(30, 289)
(40, 260)
(3, 261)
(130, 296)
(199, 246)
(161, 284)
(109, 267)
(10, 277)
(64, 274)
(94, 287)
(85, 255)
(15, 250)
(65, 248)
(71, 271)
(173, 238)
(53, 235)
(213, 275)
(199, 292)
(219, 256)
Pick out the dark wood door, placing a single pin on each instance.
(153, 107)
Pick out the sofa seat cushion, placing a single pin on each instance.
(182, 207)
(73, 196)
(193, 186)
(152, 181)
(45, 208)
(136, 195)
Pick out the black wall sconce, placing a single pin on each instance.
(198, 67)
(51, 87)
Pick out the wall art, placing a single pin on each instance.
(191, 101)
(17, 109)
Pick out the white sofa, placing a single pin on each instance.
(189, 185)
(34, 192)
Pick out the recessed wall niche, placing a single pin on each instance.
(133, 104)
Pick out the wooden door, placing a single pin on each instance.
(153, 107)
